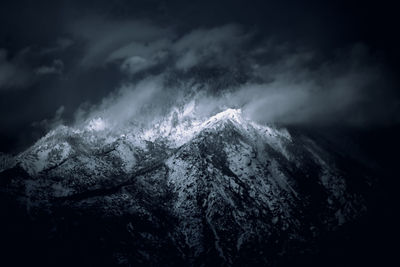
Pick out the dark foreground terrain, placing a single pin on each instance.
(233, 194)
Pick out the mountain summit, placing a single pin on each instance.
(219, 191)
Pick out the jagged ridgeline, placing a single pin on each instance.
(219, 191)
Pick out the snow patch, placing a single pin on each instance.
(96, 124)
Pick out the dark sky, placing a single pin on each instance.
(58, 56)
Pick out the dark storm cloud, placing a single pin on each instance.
(51, 123)
(60, 45)
(210, 47)
(284, 84)
(134, 52)
(277, 61)
(142, 44)
(298, 88)
(13, 71)
(108, 40)
(21, 69)
(55, 68)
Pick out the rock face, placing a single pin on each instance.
(223, 191)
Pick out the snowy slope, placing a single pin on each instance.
(222, 188)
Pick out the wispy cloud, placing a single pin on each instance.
(276, 82)
(55, 68)
(60, 45)
(53, 122)
(13, 71)
(107, 40)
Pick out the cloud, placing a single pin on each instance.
(53, 122)
(352, 89)
(136, 64)
(107, 40)
(61, 44)
(19, 71)
(219, 46)
(230, 66)
(13, 72)
(138, 103)
(297, 89)
(55, 68)
(141, 45)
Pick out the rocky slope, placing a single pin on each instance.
(220, 191)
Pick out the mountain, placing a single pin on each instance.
(218, 191)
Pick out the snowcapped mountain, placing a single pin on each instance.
(217, 191)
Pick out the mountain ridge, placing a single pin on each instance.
(233, 190)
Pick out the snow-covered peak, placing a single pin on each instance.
(185, 128)
(230, 113)
(233, 115)
(176, 129)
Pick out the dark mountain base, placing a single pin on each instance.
(99, 227)
(90, 241)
